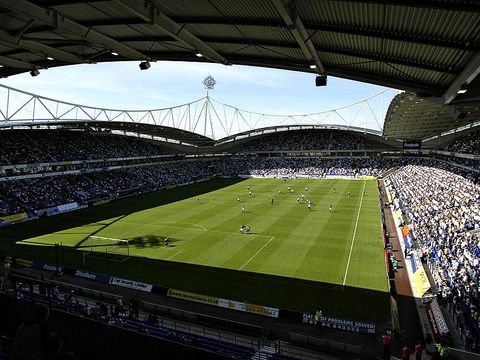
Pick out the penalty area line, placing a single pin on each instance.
(353, 237)
(263, 247)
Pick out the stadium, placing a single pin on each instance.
(204, 230)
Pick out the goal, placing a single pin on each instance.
(107, 248)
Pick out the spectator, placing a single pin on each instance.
(418, 351)
(405, 353)
(468, 144)
(30, 340)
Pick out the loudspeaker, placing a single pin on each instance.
(144, 65)
(35, 72)
(321, 80)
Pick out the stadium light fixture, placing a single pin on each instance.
(198, 54)
(463, 89)
(50, 58)
(321, 80)
(1, 65)
(313, 66)
(144, 65)
(34, 72)
(114, 53)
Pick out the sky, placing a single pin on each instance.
(122, 85)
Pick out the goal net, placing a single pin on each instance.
(107, 248)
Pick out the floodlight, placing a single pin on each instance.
(463, 89)
(50, 58)
(198, 54)
(114, 53)
(144, 65)
(321, 80)
(35, 72)
(313, 66)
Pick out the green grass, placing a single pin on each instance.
(297, 259)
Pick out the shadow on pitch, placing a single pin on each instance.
(152, 241)
(100, 215)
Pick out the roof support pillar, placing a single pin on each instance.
(52, 18)
(286, 10)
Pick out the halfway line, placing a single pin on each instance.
(353, 238)
(263, 247)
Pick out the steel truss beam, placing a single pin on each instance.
(286, 10)
(472, 70)
(147, 11)
(344, 72)
(357, 53)
(379, 79)
(197, 120)
(52, 18)
(466, 6)
(423, 39)
(34, 46)
(14, 63)
(240, 41)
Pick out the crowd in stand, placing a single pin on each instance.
(37, 146)
(443, 209)
(469, 144)
(310, 140)
(29, 195)
(35, 194)
(302, 167)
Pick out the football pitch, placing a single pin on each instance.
(333, 246)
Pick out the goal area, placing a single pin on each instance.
(107, 248)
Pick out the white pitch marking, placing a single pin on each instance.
(171, 256)
(171, 224)
(353, 238)
(167, 224)
(263, 247)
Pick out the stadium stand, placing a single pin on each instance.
(118, 315)
(468, 144)
(39, 146)
(429, 50)
(301, 167)
(33, 195)
(36, 194)
(311, 140)
(439, 197)
(444, 210)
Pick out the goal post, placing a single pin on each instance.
(108, 248)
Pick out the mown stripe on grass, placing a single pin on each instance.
(354, 234)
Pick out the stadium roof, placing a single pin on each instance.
(165, 132)
(428, 47)
(282, 128)
(412, 118)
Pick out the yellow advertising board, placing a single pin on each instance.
(14, 218)
(185, 295)
(421, 280)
